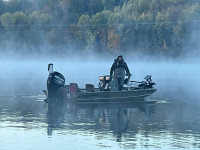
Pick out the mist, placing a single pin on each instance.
(82, 38)
(82, 43)
(176, 81)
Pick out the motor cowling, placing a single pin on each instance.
(55, 83)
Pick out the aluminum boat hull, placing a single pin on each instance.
(114, 96)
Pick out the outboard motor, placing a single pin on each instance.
(148, 83)
(55, 83)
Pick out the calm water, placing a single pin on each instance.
(169, 119)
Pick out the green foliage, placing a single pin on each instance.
(45, 19)
(109, 4)
(34, 17)
(104, 25)
(6, 20)
(20, 20)
(188, 24)
(84, 21)
(99, 21)
(84, 32)
(113, 40)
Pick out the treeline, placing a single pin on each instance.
(146, 26)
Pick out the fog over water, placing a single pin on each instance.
(170, 123)
(161, 40)
(172, 78)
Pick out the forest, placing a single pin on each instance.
(167, 27)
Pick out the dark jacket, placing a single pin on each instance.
(119, 68)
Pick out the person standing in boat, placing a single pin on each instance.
(120, 69)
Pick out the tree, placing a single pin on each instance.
(161, 30)
(34, 17)
(99, 21)
(95, 6)
(44, 19)
(99, 28)
(188, 28)
(20, 21)
(84, 32)
(108, 4)
(6, 20)
(113, 40)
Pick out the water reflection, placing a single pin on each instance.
(118, 125)
(55, 114)
(116, 117)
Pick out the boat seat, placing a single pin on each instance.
(90, 88)
(73, 87)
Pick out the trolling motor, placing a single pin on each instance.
(148, 83)
(55, 83)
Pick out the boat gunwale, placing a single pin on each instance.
(127, 97)
(123, 91)
(141, 96)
